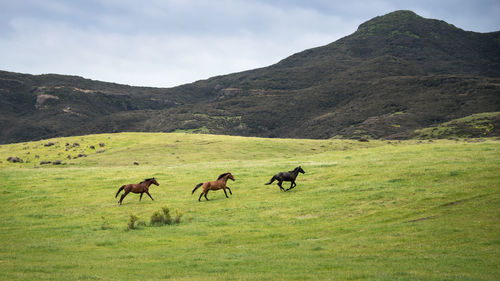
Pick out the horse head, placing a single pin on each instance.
(226, 176)
(153, 181)
(299, 169)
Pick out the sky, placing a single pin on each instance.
(172, 42)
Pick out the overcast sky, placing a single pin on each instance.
(172, 42)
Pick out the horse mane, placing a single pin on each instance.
(147, 180)
(222, 175)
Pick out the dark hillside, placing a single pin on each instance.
(397, 73)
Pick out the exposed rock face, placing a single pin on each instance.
(42, 99)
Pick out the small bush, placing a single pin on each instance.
(131, 222)
(163, 217)
(15, 159)
(157, 219)
(177, 218)
(166, 213)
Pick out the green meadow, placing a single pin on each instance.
(378, 210)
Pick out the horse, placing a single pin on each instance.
(287, 176)
(142, 187)
(220, 183)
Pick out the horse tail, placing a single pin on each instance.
(196, 187)
(119, 189)
(271, 181)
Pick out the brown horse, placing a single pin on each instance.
(141, 188)
(220, 183)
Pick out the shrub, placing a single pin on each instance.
(166, 213)
(163, 217)
(131, 222)
(15, 159)
(157, 219)
(177, 218)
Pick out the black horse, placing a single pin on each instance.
(287, 176)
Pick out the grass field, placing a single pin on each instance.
(373, 210)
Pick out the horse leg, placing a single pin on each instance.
(292, 185)
(225, 192)
(141, 196)
(149, 195)
(206, 192)
(123, 196)
(201, 194)
(281, 187)
(229, 190)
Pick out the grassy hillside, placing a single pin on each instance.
(363, 211)
(476, 125)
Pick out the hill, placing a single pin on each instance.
(395, 74)
(378, 210)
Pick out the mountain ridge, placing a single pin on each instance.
(395, 74)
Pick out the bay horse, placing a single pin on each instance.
(220, 183)
(287, 176)
(142, 187)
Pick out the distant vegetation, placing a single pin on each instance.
(396, 74)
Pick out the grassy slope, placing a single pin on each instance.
(475, 125)
(374, 211)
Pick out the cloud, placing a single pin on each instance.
(162, 45)
(167, 43)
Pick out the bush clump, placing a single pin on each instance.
(131, 221)
(163, 217)
(157, 219)
(15, 159)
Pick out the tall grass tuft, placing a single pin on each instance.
(105, 224)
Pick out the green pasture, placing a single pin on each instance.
(378, 210)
